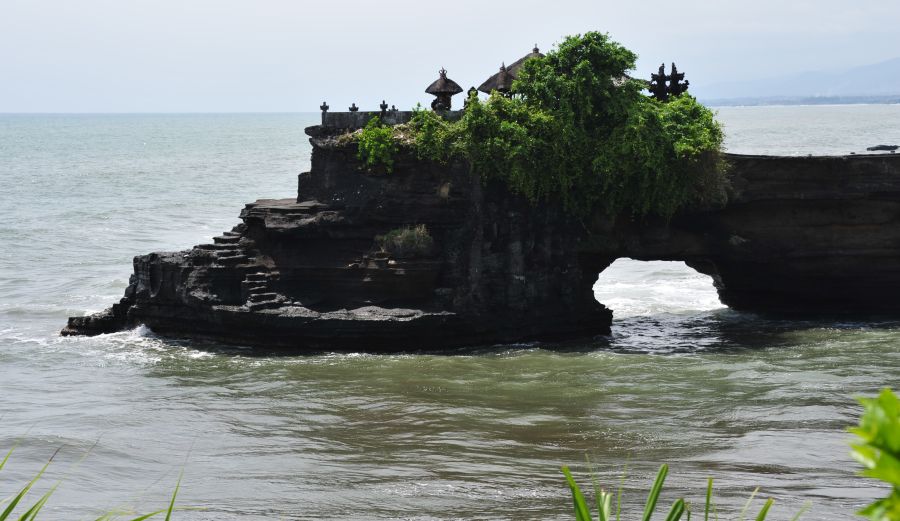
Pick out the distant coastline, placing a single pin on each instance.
(803, 100)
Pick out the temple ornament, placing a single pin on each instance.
(662, 86)
(443, 89)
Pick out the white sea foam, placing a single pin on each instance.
(634, 288)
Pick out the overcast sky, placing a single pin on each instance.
(290, 55)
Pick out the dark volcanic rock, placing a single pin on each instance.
(304, 273)
(798, 235)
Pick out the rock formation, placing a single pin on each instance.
(797, 235)
(307, 273)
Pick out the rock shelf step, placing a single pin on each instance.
(232, 259)
(262, 297)
(216, 247)
(227, 239)
(270, 304)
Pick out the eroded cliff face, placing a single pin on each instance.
(798, 235)
(306, 273)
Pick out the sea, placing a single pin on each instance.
(481, 433)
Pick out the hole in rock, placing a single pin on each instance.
(660, 307)
(642, 288)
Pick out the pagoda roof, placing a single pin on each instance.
(500, 81)
(516, 65)
(443, 85)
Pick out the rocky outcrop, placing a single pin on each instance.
(798, 235)
(307, 274)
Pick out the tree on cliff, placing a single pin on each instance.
(578, 129)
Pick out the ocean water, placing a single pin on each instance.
(475, 434)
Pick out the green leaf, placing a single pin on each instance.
(676, 511)
(747, 504)
(18, 497)
(709, 489)
(655, 490)
(5, 459)
(877, 449)
(175, 493)
(802, 511)
(33, 511)
(148, 516)
(582, 513)
(765, 510)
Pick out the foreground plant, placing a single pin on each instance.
(878, 450)
(678, 509)
(31, 513)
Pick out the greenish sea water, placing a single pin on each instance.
(471, 434)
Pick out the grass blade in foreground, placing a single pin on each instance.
(747, 504)
(653, 497)
(677, 511)
(18, 497)
(582, 513)
(765, 510)
(172, 502)
(2, 463)
(32, 513)
(680, 508)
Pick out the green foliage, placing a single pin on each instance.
(377, 146)
(406, 242)
(878, 450)
(678, 509)
(578, 129)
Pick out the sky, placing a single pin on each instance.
(290, 55)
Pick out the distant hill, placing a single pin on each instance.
(876, 83)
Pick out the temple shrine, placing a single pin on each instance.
(661, 86)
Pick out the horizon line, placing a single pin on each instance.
(171, 113)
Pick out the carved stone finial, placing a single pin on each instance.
(353, 108)
(393, 108)
(658, 88)
(676, 86)
(663, 86)
(324, 107)
(383, 106)
(535, 50)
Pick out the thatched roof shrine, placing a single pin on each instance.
(500, 82)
